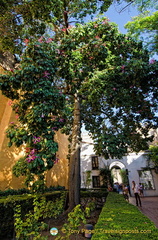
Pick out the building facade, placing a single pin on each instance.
(135, 165)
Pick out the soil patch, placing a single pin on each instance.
(79, 235)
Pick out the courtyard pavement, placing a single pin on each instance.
(149, 207)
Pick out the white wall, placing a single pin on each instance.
(133, 162)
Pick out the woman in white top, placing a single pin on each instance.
(135, 189)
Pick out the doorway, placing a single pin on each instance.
(116, 174)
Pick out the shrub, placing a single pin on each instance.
(31, 225)
(121, 220)
(25, 191)
(8, 203)
(94, 193)
(13, 192)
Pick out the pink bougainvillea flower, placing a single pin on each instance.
(56, 160)
(26, 41)
(54, 128)
(58, 51)
(40, 39)
(11, 122)
(33, 151)
(61, 120)
(12, 70)
(114, 89)
(123, 67)
(53, 118)
(62, 52)
(16, 116)
(36, 140)
(49, 40)
(10, 103)
(70, 26)
(64, 29)
(106, 21)
(31, 158)
(132, 133)
(96, 25)
(46, 74)
(104, 44)
(152, 61)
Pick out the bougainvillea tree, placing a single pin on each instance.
(40, 110)
(92, 75)
(84, 74)
(114, 87)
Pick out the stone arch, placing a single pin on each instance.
(115, 168)
(117, 164)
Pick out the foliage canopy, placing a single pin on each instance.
(106, 73)
(145, 26)
(153, 154)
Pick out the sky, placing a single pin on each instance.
(121, 18)
(117, 16)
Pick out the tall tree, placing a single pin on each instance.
(95, 75)
(109, 85)
(29, 19)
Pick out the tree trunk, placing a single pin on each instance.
(74, 165)
(7, 60)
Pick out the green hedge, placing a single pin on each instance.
(122, 220)
(93, 193)
(8, 203)
(24, 191)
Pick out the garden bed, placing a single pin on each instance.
(26, 201)
(121, 220)
(77, 236)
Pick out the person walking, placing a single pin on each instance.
(126, 192)
(135, 189)
(141, 192)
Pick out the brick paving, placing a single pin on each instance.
(149, 207)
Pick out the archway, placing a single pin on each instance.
(116, 168)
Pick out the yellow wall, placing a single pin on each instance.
(58, 175)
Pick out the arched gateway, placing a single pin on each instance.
(116, 168)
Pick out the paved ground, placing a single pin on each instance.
(149, 207)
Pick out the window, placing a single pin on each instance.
(95, 163)
(145, 177)
(96, 181)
